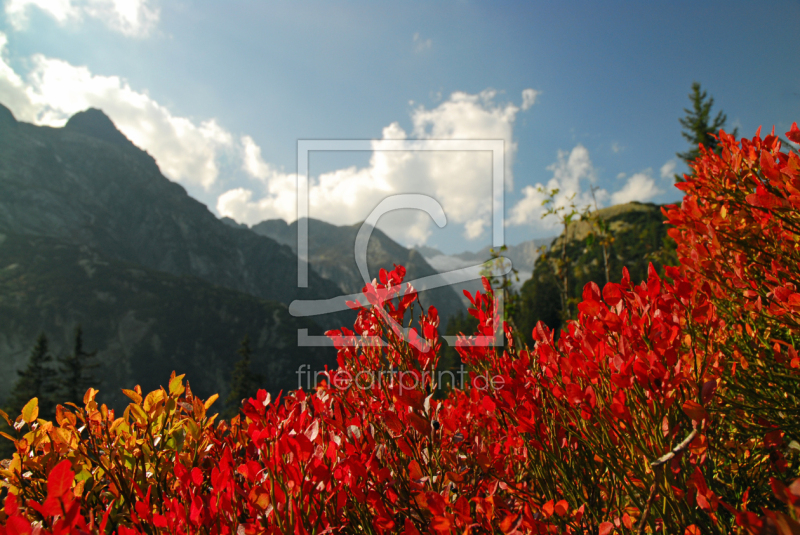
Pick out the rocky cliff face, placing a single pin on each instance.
(92, 233)
(87, 184)
(143, 323)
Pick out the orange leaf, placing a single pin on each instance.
(414, 470)
(694, 410)
(562, 508)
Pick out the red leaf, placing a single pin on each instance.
(768, 166)
(611, 294)
(765, 200)
(562, 508)
(11, 506)
(414, 471)
(794, 133)
(605, 528)
(694, 410)
(590, 308)
(197, 476)
(409, 528)
(703, 502)
(17, 525)
(60, 479)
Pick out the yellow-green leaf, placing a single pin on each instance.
(176, 387)
(138, 413)
(31, 410)
(133, 395)
(210, 401)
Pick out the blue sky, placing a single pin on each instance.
(220, 92)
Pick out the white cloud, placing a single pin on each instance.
(474, 229)
(420, 44)
(668, 169)
(252, 162)
(133, 18)
(189, 151)
(570, 173)
(529, 98)
(616, 148)
(460, 181)
(54, 90)
(639, 187)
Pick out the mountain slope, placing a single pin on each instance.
(522, 256)
(144, 323)
(331, 254)
(87, 184)
(640, 237)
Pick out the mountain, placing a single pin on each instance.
(93, 233)
(640, 237)
(87, 184)
(331, 251)
(522, 256)
(144, 323)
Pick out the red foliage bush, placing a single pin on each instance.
(670, 406)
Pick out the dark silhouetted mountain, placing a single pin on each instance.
(93, 233)
(96, 124)
(144, 323)
(87, 184)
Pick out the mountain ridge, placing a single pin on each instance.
(331, 250)
(65, 184)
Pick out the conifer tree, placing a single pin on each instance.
(35, 381)
(698, 125)
(244, 383)
(74, 371)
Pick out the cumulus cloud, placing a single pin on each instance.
(574, 177)
(54, 90)
(529, 98)
(459, 180)
(668, 169)
(420, 44)
(135, 18)
(190, 152)
(639, 187)
(571, 172)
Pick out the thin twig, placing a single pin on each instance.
(657, 467)
(676, 450)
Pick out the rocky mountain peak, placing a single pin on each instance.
(6, 117)
(95, 123)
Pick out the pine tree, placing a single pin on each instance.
(244, 383)
(698, 126)
(74, 371)
(35, 381)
